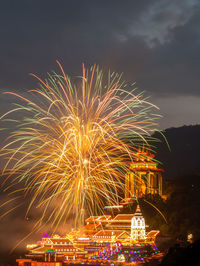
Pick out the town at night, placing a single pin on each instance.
(99, 130)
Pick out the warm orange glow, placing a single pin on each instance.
(71, 147)
(144, 176)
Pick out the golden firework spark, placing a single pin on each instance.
(71, 148)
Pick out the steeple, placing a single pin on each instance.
(138, 211)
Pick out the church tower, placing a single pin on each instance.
(144, 176)
(138, 226)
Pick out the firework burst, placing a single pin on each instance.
(71, 148)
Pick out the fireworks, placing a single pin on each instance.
(71, 149)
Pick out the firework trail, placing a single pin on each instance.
(70, 151)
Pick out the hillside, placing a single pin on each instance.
(184, 156)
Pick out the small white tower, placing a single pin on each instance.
(138, 226)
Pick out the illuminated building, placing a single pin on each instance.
(105, 237)
(138, 226)
(102, 236)
(54, 248)
(125, 228)
(119, 222)
(144, 176)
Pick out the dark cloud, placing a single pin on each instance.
(155, 42)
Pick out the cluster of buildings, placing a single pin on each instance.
(119, 238)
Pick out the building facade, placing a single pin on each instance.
(138, 229)
(144, 176)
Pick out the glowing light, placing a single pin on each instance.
(113, 207)
(31, 246)
(71, 148)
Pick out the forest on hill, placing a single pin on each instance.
(182, 157)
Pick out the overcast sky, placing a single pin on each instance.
(155, 43)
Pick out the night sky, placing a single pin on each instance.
(155, 43)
